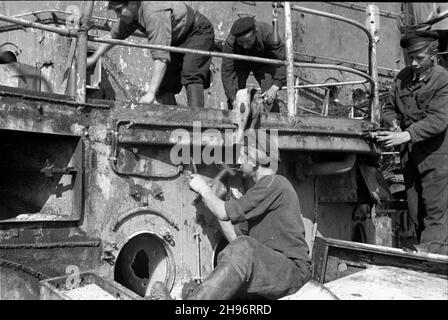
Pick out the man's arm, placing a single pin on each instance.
(102, 49)
(157, 76)
(159, 31)
(228, 72)
(213, 203)
(278, 50)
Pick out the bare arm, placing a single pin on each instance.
(157, 76)
(213, 203)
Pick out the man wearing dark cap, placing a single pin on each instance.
(253, 38)
(417, 114)
(168, 23)
(272, 261)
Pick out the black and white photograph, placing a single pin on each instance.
(247, 156)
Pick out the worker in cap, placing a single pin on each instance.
(272, 259)
(168, 23)
(253, 38)
(417, 115)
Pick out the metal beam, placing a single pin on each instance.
(290, 60)
(87, 8)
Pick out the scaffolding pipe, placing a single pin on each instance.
(375, 112)
(230, 56)
(30, 24)
(87, 8)
(290, 60)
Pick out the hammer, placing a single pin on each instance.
(214, 183)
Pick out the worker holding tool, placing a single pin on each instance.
(253, 38)
(417, 113)
(272, 261)
(168, 23)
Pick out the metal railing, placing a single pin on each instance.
(292, 85)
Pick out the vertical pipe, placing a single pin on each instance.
(87, 8)
(375, 111)
(290, 60)
(297, 93)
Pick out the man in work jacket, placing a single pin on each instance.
(253, 38)
(417, 113)
(168, 23)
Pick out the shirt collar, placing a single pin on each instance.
(426, 77)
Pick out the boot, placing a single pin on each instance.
(195, 95)
(222, 284)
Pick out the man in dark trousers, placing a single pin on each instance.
(417, 113)
(253, 38)
(168, 23)
(272, 261)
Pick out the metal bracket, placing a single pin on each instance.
(49, 170)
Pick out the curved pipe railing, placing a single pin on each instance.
(374, 109)
(231, 56)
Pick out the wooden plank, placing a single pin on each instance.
(390, 283)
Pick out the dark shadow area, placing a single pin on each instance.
(30, 164)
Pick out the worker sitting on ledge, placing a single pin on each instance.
(272, 261)
(253, 38)
(168, 23)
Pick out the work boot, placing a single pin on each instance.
(195, 95)
(222, 284)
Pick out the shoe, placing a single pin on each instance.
(222, 284)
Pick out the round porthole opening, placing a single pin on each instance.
(143, 260)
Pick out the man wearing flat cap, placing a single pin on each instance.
(417, 114)
(272, 260)
(168, 23)
(253, 38)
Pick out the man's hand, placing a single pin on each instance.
(148, 97)
(198, 183)
(390, 139)
(270, 94)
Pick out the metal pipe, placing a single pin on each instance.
(354, 6)
(296, 90)
(335, 17)
(375, 112)
(290, 60)
(82, 51)
(323, 85)
(356, 24)
(230, 56)
(30, 24)
(313, 57)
